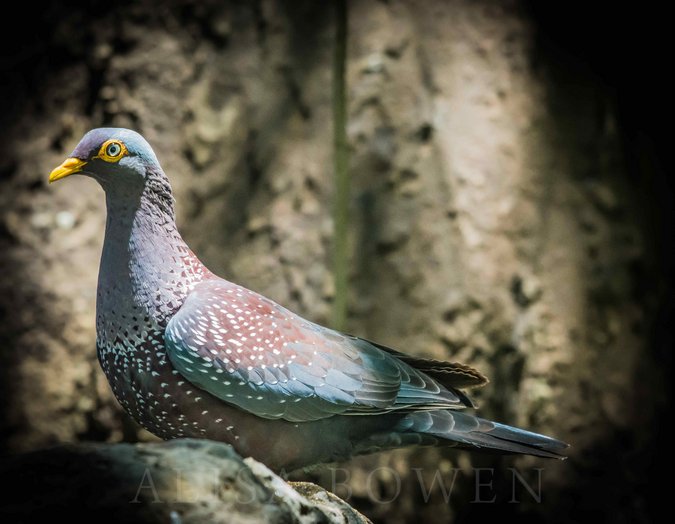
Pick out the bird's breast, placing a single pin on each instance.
(152, 391)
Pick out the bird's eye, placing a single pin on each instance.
(112, 151)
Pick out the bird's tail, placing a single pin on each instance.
(453, 428)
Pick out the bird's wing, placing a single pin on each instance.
(253, 353)
(449, 374)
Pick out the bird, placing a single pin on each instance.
(191, 355)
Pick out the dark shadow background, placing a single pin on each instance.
(628, 52)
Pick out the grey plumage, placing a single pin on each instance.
(189, 354)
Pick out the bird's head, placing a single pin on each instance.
(117, 158)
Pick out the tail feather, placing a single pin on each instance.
(461, 430)
(473, 432)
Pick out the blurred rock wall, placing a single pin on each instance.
(492, 221)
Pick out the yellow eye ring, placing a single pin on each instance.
(112, 151)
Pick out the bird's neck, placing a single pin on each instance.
(146, 269)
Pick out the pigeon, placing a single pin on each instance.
(189, 354)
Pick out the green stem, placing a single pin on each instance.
(341, 168)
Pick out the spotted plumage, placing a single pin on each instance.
(189, 354)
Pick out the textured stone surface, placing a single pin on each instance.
(182, 481)
(493, 221)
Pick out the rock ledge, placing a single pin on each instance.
(181, 481)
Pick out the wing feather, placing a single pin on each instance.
(250, 352)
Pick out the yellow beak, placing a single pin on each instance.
(70, 166)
